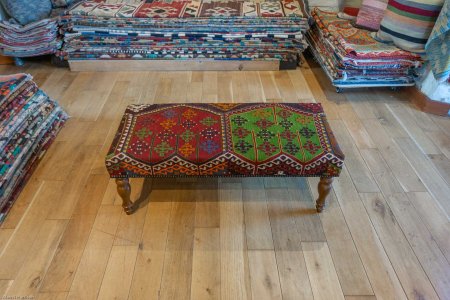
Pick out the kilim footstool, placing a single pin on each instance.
(224, 140)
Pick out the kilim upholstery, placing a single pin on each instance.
(219, 140)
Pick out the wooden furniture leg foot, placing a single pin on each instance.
(124, 190)
(324, 188)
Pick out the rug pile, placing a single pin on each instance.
(35, 39)
(180, 29)
(29, 122)
(351, 57)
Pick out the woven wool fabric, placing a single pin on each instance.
(352, 58)
(260, 139)
(351, 7)
(186, 30)
(371, 13)
(34, 39)
(408, 23)
(29, 122)
(357, 41)
(191, 9)
(438, 46)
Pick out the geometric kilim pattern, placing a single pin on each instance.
(223, 139)
(191, 8)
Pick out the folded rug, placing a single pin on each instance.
(29, 122)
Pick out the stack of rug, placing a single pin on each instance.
(29, 121)
(351, 57)
(185, 30)
(34, 39)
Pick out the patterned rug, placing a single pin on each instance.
(29, 122)
(192, 9)
(262, 139)
(352, 58)
(186, 30)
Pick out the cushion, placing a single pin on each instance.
(259, 139)
(408, 23)
(371, 13)
(351, 7)
(27, 11)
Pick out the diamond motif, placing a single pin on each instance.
(288, 135)
(267, 148)
(265, 134)
(186, 149)
(209, 146)
(167, 124)
(169, 114)
(187, 136)
(284, 114)
(208, 121)
(166, 135)
(163, 148)
(262, 113)
(221, 12)
(304, 120)
(241, 132)
(243, 146)
(188, 124)
(143, 133)
(311, 147)
(139, 147)
(239, 121)
(209, 133)
(286, 124)
(264, 123)
(306, 132)
(189, 114)
(291, 148)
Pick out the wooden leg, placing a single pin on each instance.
(324, 188)
(124, 190)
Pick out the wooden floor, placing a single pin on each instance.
(384, 235)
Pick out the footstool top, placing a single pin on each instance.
(224, 139)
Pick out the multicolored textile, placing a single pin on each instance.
(438, 46)
(224, 139)
(34, 39)
(352, 58)
(351, 7)
(27, 11)
(29, 121)
(371, 13)
(192, 9)
(181, 30)
(357, 42)
(408, 23)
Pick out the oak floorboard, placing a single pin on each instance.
(206, 264)
(293, 274)
(323, 277)
(148, 270)
(426, 172)
(264, 275)
(349, 268)
(29, 278)
(405, 263)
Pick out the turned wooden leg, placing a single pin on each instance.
(324, 188)
(124, 190)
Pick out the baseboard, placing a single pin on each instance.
(172, 65)
(429, 106)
